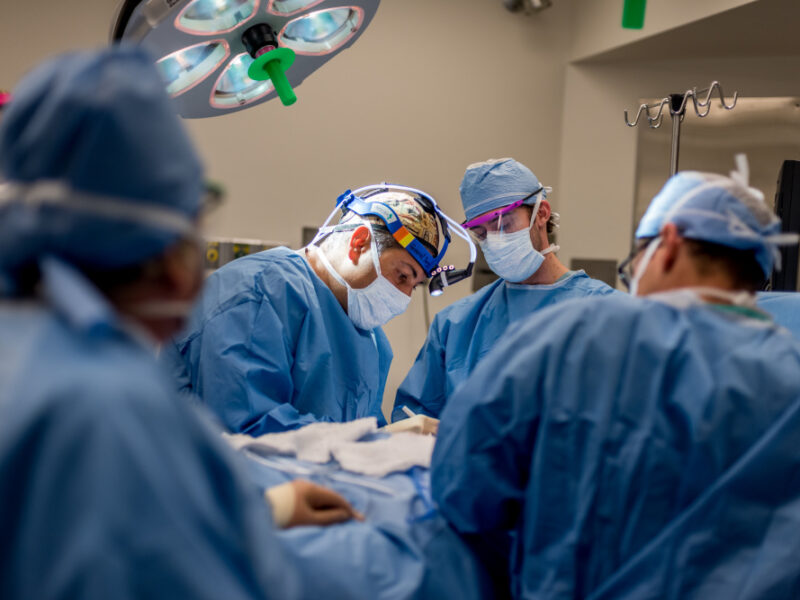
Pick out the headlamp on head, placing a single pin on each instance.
(360, 203)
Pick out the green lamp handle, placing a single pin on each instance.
(633, 14)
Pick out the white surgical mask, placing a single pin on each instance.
(642, 266)
(512, 255)
(374, 305)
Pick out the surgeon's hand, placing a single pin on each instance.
(318, 505)
(301, 502)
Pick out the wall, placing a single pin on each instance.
(766, 130)
(599, 153)
(613, 70)
(428, 89)
(417, 99)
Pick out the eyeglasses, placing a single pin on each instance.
(627, 268)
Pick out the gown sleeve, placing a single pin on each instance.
(424, 389)
(244, 370)
(128, 495)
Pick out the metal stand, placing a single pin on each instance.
(677, 110)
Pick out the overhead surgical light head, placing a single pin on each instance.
(221, 56)
(368, 202)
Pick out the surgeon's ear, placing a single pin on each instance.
(359, 243)
(671, 243)
(544, 213)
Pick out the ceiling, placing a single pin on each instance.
(764, 28)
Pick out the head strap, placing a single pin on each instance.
(365, 207)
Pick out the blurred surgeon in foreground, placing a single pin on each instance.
(509, 216)
(111, 486)
(642, 447)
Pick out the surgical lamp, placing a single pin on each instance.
(221, 56)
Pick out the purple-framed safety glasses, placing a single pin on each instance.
(493, 214)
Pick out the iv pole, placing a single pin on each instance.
(677, 109)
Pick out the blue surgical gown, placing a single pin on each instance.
(110, 487)
(269, 348)
(462, 334)
(597, 423)
(784, 307)
(402, 550)
(738, 540)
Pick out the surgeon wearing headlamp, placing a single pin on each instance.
(284, 338)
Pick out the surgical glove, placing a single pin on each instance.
(416, 424)
(302, 502)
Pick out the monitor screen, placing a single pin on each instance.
(787, 206)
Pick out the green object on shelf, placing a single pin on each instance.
(273, 65)
(633, 14)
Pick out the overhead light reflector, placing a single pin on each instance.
(235, 88)
(290, 7)
(222, 56)
(212, 17)
(184, 69)
(322, 31)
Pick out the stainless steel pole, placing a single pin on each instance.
(676, 144)
(677, 106)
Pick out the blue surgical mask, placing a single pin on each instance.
(376, 304)
(512, 255)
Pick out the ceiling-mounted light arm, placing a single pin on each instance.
(151, 14)
(537, 5)
(528, 6)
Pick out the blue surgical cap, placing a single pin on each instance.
(716, 209)
(496, 183)
(99, 170)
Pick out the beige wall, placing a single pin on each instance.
(597, 174)
(424, 92)
(420, 96)
(414, 101)
(431, 87)
(598, 154)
